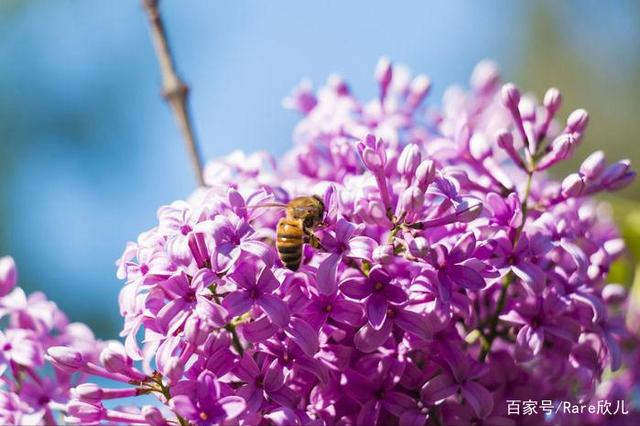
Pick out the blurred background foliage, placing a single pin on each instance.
(604, 78)
(88, 151)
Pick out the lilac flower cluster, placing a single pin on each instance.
(452, 273)
(31, 391)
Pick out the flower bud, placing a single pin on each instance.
(425, 173)
(383, 254)
(338, 85)
(572, 185)
(561, 146)
(600, 257)
(615, 171)
(65, 358)
(552, 100)
(418, 90)
(578, 121)
(623, 181)
(511, 100)
(561, 149)
(153, 416)
(593, 165)
(8, 275)
(468, 210)
(373, 154)
(614, 247)
(301, 98)
(412, 199)
(384, 74)
(418, 247)
(194, 331)
(485, 76)
(89, 392)
(505, 141)
(510, 97)
(614, 293)
(527, 109)
(409, 160)
(114, 359)
(85, 412)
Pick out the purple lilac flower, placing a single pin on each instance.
(202, 403)
(451, 274)
(376, 291)
(30, 393)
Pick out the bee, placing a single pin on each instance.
(302, 216)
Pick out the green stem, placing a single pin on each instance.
(235, 340)
(493, 321)
(167, 394)
(231, 328)
(508, 279)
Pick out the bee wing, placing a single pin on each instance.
(302, 211)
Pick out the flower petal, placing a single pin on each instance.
(347, 312)
(356, 287)
(211, 312)
(466, 277)
(260, 250)
(326, 275)
(369, 413)
(237, 303)
(274, 377)
(283, 416)
(368, 339)
(303, 335)
(394, 293)
(531, 275)
(275, 308)
(232, 406)
(438, 388)
(414, 323)
(247, 370)
(361, 248)
(252, 396)
(267, 282)
(397, 403)
(463, 248)
(258, 330)
(344, 230)
(478, 397)
(184, 406)
(377, 309)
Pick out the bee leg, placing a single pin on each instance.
(313, 240)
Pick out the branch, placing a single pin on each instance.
(174, 90)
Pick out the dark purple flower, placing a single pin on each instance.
(540, 318)
(460, 375)
(205, 404)
(188, 296)
(457, 267)
(255, 288)
(262, 383)
(377, 291)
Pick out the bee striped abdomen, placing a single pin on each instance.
(290, 237)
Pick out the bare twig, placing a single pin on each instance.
(174, 90)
